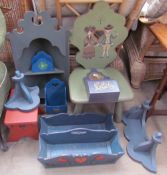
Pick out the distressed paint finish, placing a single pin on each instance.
(32, 31)
(74, 140)
(37, 36)
(140, 147)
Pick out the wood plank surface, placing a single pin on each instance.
(160, 31)
(89, 1)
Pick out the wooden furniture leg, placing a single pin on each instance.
(160, 31)
(42, 4)
(157, 95)
(58, 12)
(68, 2)
(135, 13)
(27, 5)
(118, 112)
(3, 144)
(78, 108)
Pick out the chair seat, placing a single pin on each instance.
(77, 89)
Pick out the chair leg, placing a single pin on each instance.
(3, 144)
(78, 108)
(157, 96)
(118, 112)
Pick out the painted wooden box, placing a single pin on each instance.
(55, 97)
(21, 124)
(101, 88)
(71, 140)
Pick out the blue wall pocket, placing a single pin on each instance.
(42, 62)
(55, 97)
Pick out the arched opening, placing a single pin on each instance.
(36, 45)
(41, 78)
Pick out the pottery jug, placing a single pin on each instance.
(138, 71)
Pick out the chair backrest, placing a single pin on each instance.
(97, 34)
(2, 28)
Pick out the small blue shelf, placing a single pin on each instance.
(54, 71)
(55, 97)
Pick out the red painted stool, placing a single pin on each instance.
(21, 124)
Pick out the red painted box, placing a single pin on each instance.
(21, 124)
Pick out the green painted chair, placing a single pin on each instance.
(4, 79)
(2, 28)
(96, 35)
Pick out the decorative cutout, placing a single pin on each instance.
(31, 31)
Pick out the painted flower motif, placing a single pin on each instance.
(62, 160)
(99, 157)
(80, 160)
(43, 65)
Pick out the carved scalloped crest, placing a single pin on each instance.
(32, 30)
